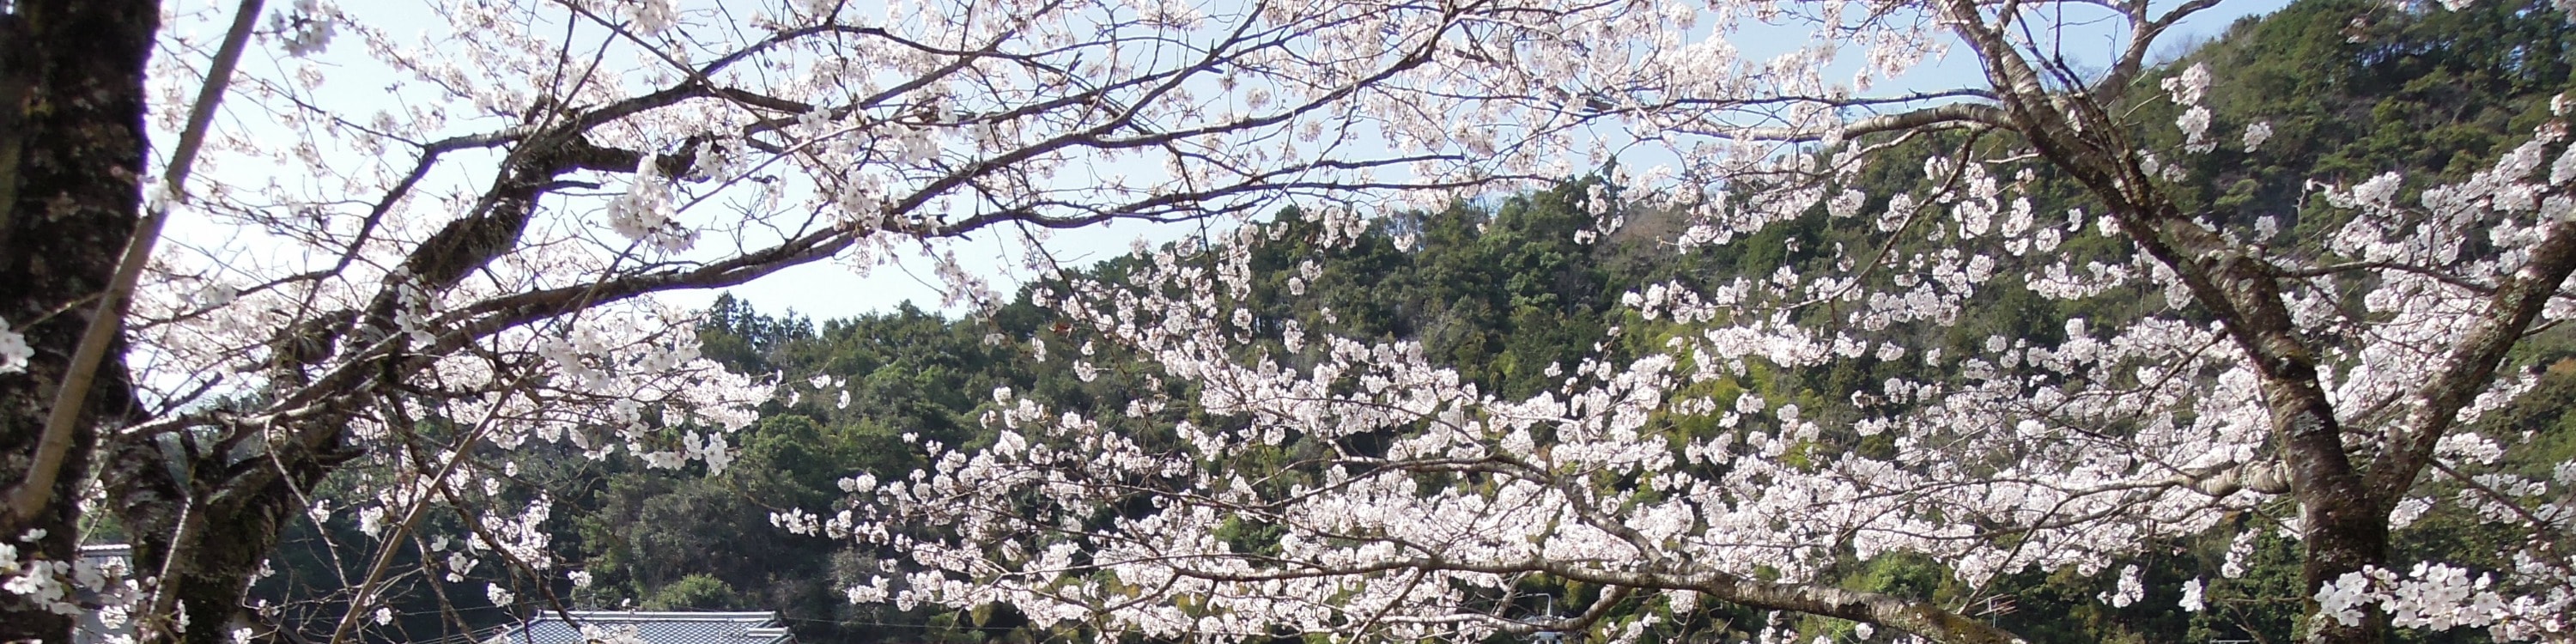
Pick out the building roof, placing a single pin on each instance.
(653, 627)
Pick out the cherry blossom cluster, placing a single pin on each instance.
(1396, 499)
(447, 246)
(105, 586)
(436, 237)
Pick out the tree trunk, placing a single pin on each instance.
(2346, 529)
(71, 160)
(210, 523)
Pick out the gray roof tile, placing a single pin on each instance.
(654, 627)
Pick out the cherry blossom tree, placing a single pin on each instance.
(406, 256)
(2325, 385)
(419, 237)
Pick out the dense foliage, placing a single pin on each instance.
(2263, 342)
(1511, 292)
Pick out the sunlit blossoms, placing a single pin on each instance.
(14, 351)
(427, 247)
(2256, 134)
(436, 249)
(2260, 380)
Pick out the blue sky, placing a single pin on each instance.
(829, 290)
(832, 289)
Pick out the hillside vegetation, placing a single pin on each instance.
(1510, 293)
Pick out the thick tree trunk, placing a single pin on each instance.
(210, 531)
(71, 160)
(2347, 529)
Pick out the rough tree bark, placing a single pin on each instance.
(71, 161)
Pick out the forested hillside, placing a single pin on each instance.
(1514, 294)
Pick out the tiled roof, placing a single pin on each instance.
(653, 627)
